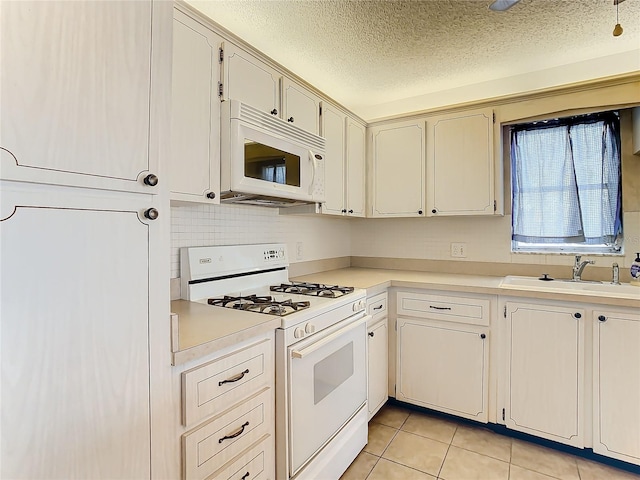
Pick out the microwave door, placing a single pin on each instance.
(264, 164)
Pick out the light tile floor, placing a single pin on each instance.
(408, 445)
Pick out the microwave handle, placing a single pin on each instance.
(312, 159)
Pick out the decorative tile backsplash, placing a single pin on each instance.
(321, 236)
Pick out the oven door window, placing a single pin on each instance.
(327, 385)
(263, 162)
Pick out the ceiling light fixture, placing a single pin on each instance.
(617, 30)
(502, 5)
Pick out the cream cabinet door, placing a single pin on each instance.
(333, 130)
(249, 80)
(301, 106)
(443, 367)
(398, 169)
(377, 354)
(460, 166)
(355, 179)
(616, 385)
(76, 314)
(76, 92)
(545, 371)
(195, 112)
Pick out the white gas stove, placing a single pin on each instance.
(321, 419)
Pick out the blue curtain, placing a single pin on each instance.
(566, 180)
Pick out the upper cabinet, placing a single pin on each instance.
(249, 80)
(333, 130)
(301, 107)
(94, 121)
(397, 155)
(195, 112)
(344, 163)
(460, 165)
(355, 176)
(252, 81)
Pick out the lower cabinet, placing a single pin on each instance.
(443, 353)
(616, 384)
(228, 408)
(545, 371)
(377, 353)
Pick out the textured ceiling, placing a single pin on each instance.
(368, 53)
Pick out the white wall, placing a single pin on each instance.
(487, 239)
(200, 225)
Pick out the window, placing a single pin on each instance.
(566, 185)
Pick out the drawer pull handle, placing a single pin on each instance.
(236, 434)
(378, 307)
(240, 376)
(439, 308)
(245, 476)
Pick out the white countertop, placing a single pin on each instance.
(201, 330)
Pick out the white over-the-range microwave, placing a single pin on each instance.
(268, 161)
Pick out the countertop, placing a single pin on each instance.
(201, 329)
(377, 280)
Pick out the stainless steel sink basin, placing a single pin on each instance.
(567, 286)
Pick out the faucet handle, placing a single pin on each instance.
(578, 257)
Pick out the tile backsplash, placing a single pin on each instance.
(201, 225)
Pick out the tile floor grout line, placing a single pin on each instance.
(410, 467)
(446, 453)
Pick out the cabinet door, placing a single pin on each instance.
(355, 169)
(460, 164)
(616, 385)
(378, 353)
(79, 107)
(398, 170)
(545, 371)
(333, 130)
(443, 367)
(195, 112)
(250, 80)
(75, 324)
(301, 107)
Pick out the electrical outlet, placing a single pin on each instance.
(459, 250)
(299, 251)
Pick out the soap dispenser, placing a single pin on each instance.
(635, 271)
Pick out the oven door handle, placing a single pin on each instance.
(303, 352)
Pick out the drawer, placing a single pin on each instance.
(210, 388)
(470, 310)
(255, 463)
(377, 305)
(206, 448)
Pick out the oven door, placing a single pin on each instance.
(327, 386)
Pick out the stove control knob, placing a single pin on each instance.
(309, 328)
(298, 333)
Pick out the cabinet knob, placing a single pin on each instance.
(344, 210)
(602, 318)
(274, 112)
(434, 211)
(483, 336)
(290, 119)
(151, 213)
(151, 180)
(350, 211)
(211, 195)
(371, 334)
(577, 315)
(419, 212)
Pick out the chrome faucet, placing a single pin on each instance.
(579, 266)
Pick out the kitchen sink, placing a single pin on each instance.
(603, 289)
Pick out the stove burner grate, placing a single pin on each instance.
(259, 304)
(312, 289)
